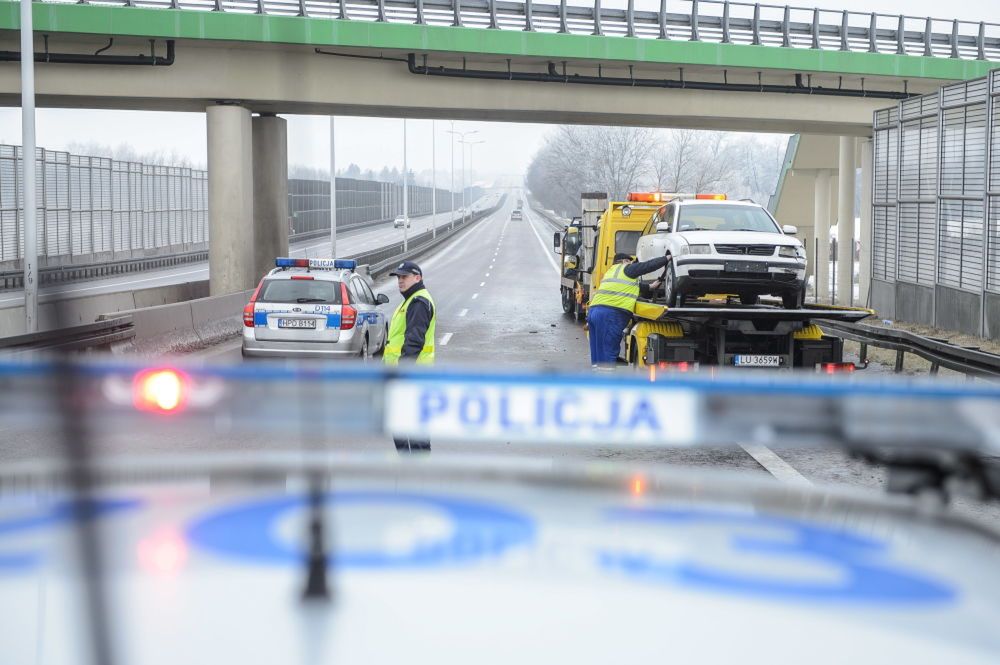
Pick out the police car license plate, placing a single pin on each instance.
(297, 323)
(757, 361)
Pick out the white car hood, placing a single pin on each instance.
(737, 238)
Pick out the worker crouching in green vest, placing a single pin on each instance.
(411, 333)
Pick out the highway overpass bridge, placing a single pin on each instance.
(721, 65)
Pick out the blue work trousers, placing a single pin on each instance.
(606, 327)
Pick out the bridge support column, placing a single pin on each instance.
(845, 221)
(820, 253)
(865, 259)
(270, 191)
(230, 199)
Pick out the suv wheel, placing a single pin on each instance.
(795, 299)
(670, 295)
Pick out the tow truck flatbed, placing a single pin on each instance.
(764, 312)
(725, 333)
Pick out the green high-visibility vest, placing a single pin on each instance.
(616, 290)
(397, 333)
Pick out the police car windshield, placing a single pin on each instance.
(300, 291)
(725, 218)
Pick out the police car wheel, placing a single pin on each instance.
(365, 356)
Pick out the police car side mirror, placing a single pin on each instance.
(382, 299)
(662, 227)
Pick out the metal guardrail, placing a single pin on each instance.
(98, 335)
(971, 361)
(715, 21)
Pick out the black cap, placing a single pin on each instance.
(621, 256)
(407, 268)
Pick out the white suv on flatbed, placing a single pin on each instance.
(721, 246)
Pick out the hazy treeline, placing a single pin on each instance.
(124, 152)
(393, 175)
(618, 160)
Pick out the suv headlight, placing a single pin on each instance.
(792, 252)
(699, 249)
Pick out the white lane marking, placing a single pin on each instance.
(475, 295)
(776, 466)
(545, 248)
(482, 283)
(463, 312)
(446, 338)
(487, 274)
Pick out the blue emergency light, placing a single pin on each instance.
(336, 264)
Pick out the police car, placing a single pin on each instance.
(314, 308)
(722, 246)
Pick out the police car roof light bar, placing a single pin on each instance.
(313, 264)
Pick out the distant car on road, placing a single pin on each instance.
(400, 222)
(516, 215)
(314, 308)
(721, 246)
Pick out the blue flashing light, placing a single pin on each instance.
(345, 264)
(285, 262)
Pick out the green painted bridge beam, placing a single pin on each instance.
(321, 32)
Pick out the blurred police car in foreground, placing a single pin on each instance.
(322, 308)
(299, 556)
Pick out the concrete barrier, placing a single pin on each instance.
(87, 309)
(185, 326)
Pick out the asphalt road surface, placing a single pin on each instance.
(496, 289)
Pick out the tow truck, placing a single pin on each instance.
(589, 243)
(714, 330)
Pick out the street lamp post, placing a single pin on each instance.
(451, 192)
(470, 144)
(433, 181)
(30, 258)
(333, 188)
(406, 201)
(462, 140)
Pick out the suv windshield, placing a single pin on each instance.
(725, 218)
(300, 291)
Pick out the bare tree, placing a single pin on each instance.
(617, 160)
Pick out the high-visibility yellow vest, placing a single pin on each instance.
(616, 290)
(397, 333)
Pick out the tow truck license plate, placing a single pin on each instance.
(757, 361)
(746, 266)
(297, 323)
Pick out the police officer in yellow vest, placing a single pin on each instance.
(411, 332)
(612, 304)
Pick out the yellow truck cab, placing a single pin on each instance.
(588, 245)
